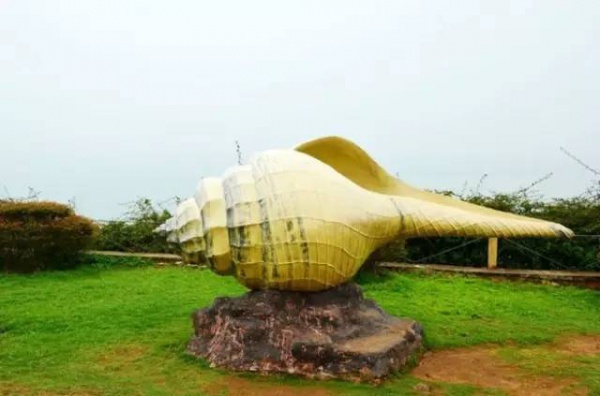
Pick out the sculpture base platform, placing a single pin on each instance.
(330, 334)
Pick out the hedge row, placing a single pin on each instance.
(41, 210)
(41, 235)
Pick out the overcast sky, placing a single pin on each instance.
(106, 101)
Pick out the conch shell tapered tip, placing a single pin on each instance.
(562, 231)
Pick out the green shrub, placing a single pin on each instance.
(41, 235)
(136, 232)
(105, 262)
(40, 210)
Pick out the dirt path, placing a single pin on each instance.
(482, 367)
(243, 387)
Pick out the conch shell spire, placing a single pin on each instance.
(306, 219)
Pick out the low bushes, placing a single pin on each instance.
(135, 233)
(41, 235)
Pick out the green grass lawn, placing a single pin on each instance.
(122, 330)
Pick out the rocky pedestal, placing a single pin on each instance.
(330, 334)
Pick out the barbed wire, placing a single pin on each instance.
(448, 250)
(537, 253)
(523, 247)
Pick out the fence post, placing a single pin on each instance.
(492, 253)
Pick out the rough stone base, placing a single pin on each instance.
(330, 334)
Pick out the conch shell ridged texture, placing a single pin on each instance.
(306, 219)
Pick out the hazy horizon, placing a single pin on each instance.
(105, 102)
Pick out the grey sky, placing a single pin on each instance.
(110, 100)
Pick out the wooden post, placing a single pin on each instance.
(492, 253)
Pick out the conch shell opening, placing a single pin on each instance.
(307, 219)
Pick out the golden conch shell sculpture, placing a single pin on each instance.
(306, 219)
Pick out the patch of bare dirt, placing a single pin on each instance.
(579, 345)
(11, 389)
(243, 387)
(483, 368)
(121, 355)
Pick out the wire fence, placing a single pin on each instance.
(582, 252)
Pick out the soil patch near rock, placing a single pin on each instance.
(243, 387)
(482, 367)
(579, 345)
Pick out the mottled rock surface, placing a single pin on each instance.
(330, 334)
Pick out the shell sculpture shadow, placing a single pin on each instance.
(306, 219)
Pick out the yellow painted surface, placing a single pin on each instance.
(306, 219)
(492, 253)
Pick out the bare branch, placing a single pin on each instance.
(239, 152)
(479, 184)
(580, 162)
(528, 188)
